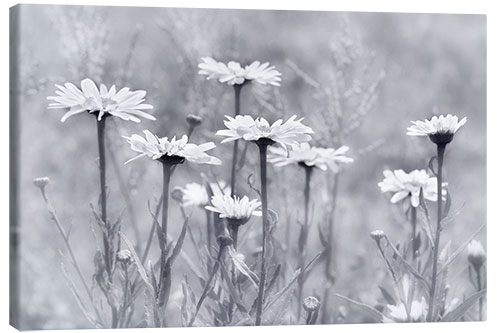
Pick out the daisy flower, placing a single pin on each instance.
(196, 195)
(417, 313)
(439, 129)
(263, 74)
(124, 104)
(236, 210)
(310, 156)
(407, 186)
(233, 73)
(170, 151)
(292, 132)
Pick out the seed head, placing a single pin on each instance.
(377, 235)
(41, 182)
(311, 303)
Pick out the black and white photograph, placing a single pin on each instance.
(190, 167)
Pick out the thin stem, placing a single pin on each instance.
(329, 251)
(307, 192)
(234, 229)
(210, 232)
(103, 199)
(107, 233)
(414, 231)
(440, 158)
(167, 172)
(237, 94)
(479, 288)
(263, 185)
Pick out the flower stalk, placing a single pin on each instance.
(237, 95)
(479, 288)
(106, 234)
(263, 144)
(103, 198)
(413, 212)
(304, 233)
(167, 173)
(440, 158)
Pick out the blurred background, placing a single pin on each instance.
(358, 79)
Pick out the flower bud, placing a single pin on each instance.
(311, 303)
(193, 120)
(377, 235)
(41, 182)
(124, 256)
(476, 254)
(224, 240)
(177, 194)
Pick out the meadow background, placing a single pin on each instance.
(418, 62)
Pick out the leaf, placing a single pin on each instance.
(459, 250)
(273, 280)
(322, 237)
(138, 264)
(188, 305)
(387, 296)
(79, 300)
(180, 241)
(232, 290)
(462, 309)
(367, 309)
(408, 266)
(296, 275)
(242, 267)
(431, 165)
(151, 309)
(426, 221)
(447, 204)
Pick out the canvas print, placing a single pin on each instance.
(176, 167)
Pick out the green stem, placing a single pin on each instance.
(167, 172)
(103, 199)
(263, 182)
(440, 157)
(210, 232)
(329, 251)
(479, 288)
(307, 192)
(237, 94)
(107, 233)
(414, 231)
